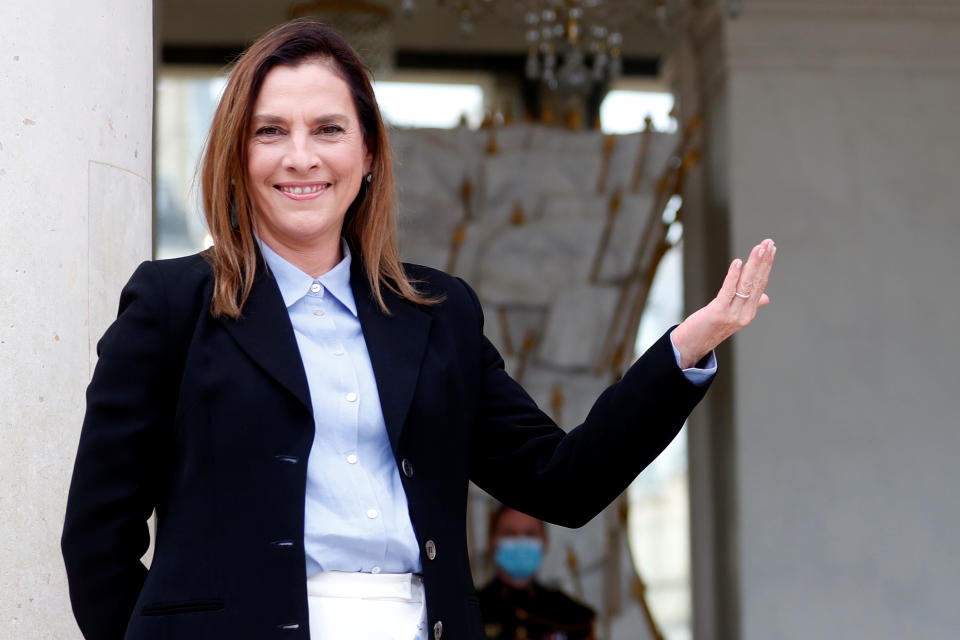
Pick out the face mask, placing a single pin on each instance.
(519, 557)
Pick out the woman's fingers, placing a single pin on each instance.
(766, 264)
(730, 281)
(753, 277)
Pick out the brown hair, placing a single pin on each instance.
(370, 226)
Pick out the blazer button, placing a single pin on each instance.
(407, 467)
(431, 549)
(437, 630)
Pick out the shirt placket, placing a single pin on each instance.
(343, 435)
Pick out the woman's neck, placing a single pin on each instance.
(313, 259)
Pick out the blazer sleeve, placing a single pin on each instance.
(522, 458)
(128, 401)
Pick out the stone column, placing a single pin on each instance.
(834, 438)
(75, 202)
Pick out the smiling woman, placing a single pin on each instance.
(307, 73)
(303, 420)
(305, 162)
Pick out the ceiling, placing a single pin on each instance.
(499, 29)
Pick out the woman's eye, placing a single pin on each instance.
(268, 131)
(331, 129)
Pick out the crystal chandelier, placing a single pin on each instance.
(570, 43)
(573, 46)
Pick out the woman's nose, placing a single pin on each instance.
(301, 155)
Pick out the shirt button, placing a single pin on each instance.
(352, 458)
(407, 467)
(315, 287)
(351, 397)
(375, 570)
(319, 312)
(431, 548)
(372, 513)
(339, 352)
(437, 630)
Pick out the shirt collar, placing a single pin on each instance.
(294, 283)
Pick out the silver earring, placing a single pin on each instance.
(368, 177)
(234, 214)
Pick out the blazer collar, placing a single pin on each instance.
(265, 333)
(396, 343)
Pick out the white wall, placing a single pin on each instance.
(843, 145)
(75, 174)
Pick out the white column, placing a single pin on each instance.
(76, 80)
(841, 141)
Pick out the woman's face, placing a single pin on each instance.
(306, 158)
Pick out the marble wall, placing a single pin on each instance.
(834, 131)
(75, 176)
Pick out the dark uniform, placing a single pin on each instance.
(534, 613)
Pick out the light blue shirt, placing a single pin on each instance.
(697, 375)
(356, 516)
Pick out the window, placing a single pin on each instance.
(186, 100)
(624, 108)
(430, 104)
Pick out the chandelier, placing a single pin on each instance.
(572, 46)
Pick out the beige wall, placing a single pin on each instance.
(834, 130)
(75, 163)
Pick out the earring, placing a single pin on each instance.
(234, 215)
(368, 177)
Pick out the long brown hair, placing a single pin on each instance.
(370, 226)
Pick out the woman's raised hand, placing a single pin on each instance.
(734, 307)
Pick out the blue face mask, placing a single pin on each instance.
(519, 557)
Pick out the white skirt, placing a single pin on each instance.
(366, 606)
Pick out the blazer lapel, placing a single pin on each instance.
(266, 334)
(396, 344)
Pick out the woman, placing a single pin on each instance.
(304, 413)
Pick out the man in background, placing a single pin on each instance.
(514, 605)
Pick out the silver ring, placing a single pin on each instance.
(741, 295)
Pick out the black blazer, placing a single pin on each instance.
(209, 423)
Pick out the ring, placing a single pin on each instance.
(741, 295)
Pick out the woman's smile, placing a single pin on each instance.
(302, 190)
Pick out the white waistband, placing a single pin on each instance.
(346, 584)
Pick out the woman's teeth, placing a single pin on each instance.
(300, 190)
